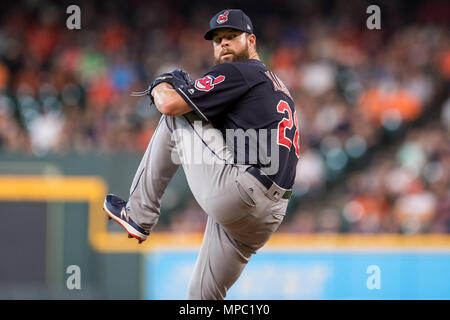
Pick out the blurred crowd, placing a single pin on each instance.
(404, 190)
(67, 91)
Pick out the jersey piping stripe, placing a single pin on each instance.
(203, 141)
(193, 104)
(137, 183)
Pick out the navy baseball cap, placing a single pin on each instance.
(229, 18)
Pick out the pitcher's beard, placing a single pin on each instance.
(235, 57)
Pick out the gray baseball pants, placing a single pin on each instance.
(241, 214)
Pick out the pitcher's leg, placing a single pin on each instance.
(220, 262)
(152, 177)
(207, 162)
(201, 150)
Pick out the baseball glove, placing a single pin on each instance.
(178, 78)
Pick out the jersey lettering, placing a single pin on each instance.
(278, 85)
(287, 123)
(296, 136)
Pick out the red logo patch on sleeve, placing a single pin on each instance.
(208, 82)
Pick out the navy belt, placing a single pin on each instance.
(266, 181)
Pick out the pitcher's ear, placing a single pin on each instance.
(251, 37)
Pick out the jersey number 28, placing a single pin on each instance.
(287, 123)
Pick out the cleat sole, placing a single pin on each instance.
(112, 217)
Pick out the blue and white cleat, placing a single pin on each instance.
(115, 208)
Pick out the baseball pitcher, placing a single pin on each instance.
(235, 133)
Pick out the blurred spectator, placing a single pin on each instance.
(411, 186)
